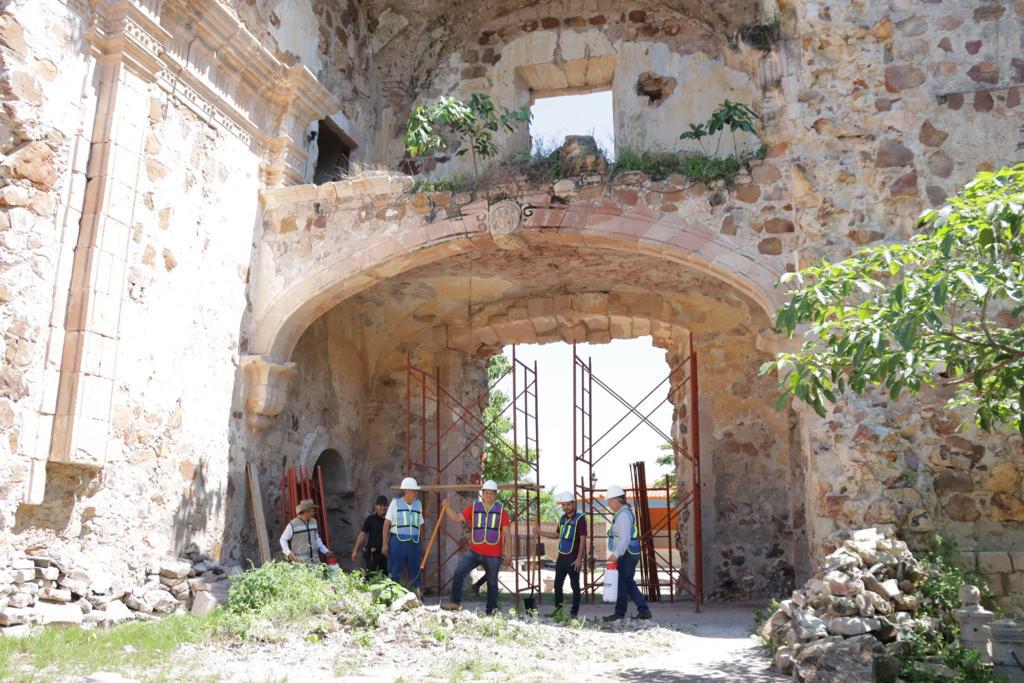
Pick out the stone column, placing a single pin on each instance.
(974, 620)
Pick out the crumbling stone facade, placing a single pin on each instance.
(177, 300)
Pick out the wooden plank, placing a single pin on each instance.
(257, 510)
(471, 487)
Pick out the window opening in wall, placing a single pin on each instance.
(335, 148)
(556, 117)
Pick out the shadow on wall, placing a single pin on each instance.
(197, 506)
(65, 484)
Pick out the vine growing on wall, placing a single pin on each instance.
(474, 122)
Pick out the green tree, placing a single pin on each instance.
(473, 121)
(945, 306)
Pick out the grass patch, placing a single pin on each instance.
(468, 669)
(136, 647)
(697, 166)
(261, 604)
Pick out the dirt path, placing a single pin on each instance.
(427, 644)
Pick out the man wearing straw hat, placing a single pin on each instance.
(301, 538)
(403, 522)
(487, 520)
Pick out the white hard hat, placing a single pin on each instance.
(564, 497)
(489, 485)
(409, 484)
(614, 491)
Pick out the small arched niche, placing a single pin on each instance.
(338, 497)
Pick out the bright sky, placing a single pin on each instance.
(632, 368)
(590, 114)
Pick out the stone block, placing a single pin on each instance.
(1017, 560)
(47, 573)
(12, 616)
(55, 613)
(55, 594)
(995, 561)
(24, 575)
(117, 612)
(175, 569)
(205, 602)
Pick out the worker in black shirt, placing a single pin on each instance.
(370, 538)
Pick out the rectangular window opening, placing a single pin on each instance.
(335, 149)
(558, 116)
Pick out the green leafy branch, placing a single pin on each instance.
(947, 305)
(473, 121)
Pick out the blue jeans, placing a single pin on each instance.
(404, 555)
(627, 586)
(468, 563)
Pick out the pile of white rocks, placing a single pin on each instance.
(847, 623)
(43, 588)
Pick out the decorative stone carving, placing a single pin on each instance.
(266, 389)
(506, 217)
(975, 620)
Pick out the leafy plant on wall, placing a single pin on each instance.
(735, 116)
(474, 122)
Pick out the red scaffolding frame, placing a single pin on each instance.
(433, 418)
(656, 569)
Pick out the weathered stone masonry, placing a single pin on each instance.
(176, 302)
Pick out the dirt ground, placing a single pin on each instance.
(428, 644)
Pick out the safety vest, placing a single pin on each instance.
(303, 543)
(487, 524)
(634, 535)
(567, 533)
(410, 518)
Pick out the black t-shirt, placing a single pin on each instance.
(373, 527)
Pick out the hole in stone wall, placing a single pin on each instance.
(655, 88)
(335, 148)
(586, 115)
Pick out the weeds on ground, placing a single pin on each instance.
(260, 603)
(471, 668)
(940, 596)
(135, 647)
(763, 615)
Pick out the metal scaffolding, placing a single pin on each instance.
(436, 422)
(297, 484)
(658, 568)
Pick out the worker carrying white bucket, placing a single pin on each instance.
(624, 551)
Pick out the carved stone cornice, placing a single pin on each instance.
(266, 389)
(204, 57)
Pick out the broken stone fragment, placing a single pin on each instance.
(175, 569)
(11, 616)
(784, 661)
(55, 613)
(808, 626)
(117, 612)
(160, 601)
(203, 603)
(19, 600)
(77, 581)
(852, 626)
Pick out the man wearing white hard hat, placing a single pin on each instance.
(403, 523)
(624, 550)
(572, 528)
(487, 520)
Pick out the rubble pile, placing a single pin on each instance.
(41, 588)
(847, 623)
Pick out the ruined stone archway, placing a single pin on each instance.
(451, 292)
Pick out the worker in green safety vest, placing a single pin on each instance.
(572, 529)
(624, 551)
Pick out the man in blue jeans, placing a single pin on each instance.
(487, 520)
(624, 549)
(400, 544)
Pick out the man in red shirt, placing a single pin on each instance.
(487, 520)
